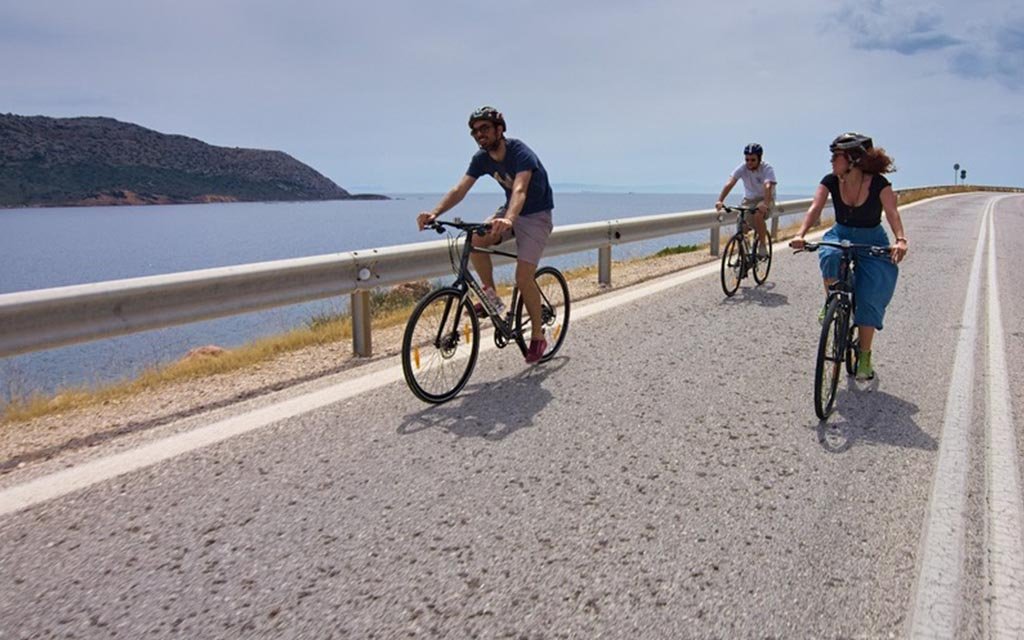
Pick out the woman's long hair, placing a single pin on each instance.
(876, 161)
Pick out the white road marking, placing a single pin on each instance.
(1005, 565)
(937, 601)
(95, 471)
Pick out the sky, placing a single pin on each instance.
(646, 95)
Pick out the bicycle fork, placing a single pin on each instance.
(446, 341)
(844, 311)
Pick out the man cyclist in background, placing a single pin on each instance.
(759, 187)
(526, 214)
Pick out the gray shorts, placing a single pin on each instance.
(531, 233)
(753, 202)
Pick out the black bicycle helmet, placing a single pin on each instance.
(489, 114)
(855, 145)
(753, 149)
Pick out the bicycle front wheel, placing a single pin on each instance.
(831, 353)
(732, 265)
(440, 346)
(762, 263)
(554, 309)
(852, 351)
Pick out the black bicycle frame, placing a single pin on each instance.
(464, 282)
(741, 229)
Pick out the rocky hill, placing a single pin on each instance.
(84, 161)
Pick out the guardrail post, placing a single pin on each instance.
(716, 238)
(775, 227)
(362, 344)
(604, 266)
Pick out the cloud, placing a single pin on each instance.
(973, 43)
(997, 52)
(16, 29)
(886, 26)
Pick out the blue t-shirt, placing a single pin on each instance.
(518, 157)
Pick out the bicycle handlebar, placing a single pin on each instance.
(742, 211)
(479, 228)
(729, 209)
(845, 246)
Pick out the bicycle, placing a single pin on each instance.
(742, 255)
(441, 341)
(839, 342)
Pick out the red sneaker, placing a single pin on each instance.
(536, 350)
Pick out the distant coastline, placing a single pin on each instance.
(129, 199)
(82, 162)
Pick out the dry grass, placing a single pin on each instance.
(906, 196)
(71, 398)
(390, 309)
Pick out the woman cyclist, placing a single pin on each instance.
(860, 193)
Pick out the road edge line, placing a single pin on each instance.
(937, 597)
(1005, 561)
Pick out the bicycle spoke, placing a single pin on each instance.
(732, 266)
(555, 304)
(439, 348)
(831, 354)
(762, 263)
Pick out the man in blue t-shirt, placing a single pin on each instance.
(526, 214)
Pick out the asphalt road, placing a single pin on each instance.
(664, 477)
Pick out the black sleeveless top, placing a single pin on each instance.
(866, 215)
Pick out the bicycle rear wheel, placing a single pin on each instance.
(554, 307)
(831, 353)
(440, 346)
(762, 263)
(732, 265)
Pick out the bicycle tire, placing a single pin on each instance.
(852, 351)
(831, 353)
(555, 306)
(762, 264)
(732, 265)
(440, 345)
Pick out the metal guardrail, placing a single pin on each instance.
(48, 318)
